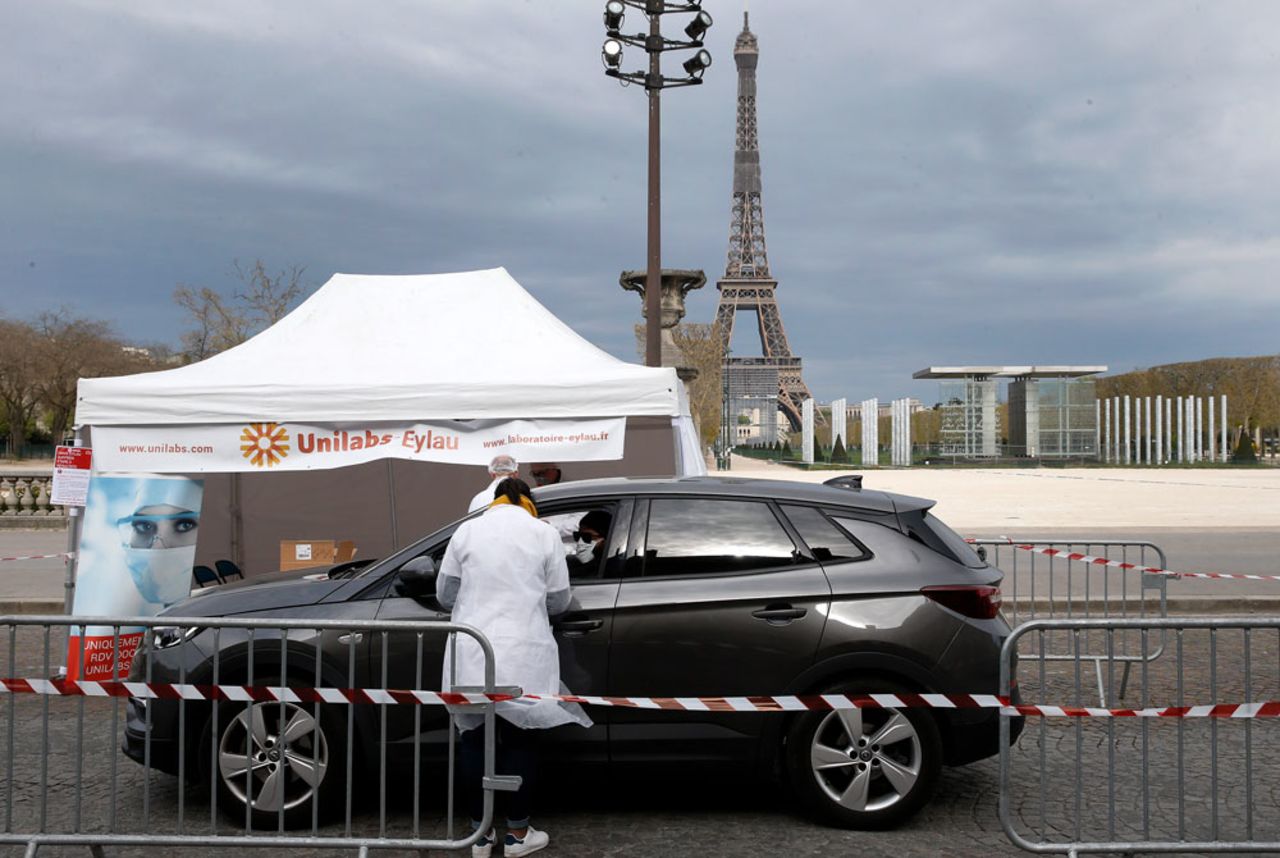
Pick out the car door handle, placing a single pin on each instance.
(780, 615)
(578, 628)
(350, 638)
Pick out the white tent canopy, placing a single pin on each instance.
(466, 346)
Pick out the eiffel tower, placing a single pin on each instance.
(746, 284)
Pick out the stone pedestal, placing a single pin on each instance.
(676, 283)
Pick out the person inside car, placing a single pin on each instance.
(588, 545)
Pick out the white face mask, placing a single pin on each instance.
(162, 575)
(584, 550)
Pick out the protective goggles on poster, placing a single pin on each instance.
(161, 530)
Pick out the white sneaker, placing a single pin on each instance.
(483, 847)
(533, 841)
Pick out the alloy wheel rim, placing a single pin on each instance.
(273, 756)
(866, 759)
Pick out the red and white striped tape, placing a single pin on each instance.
(66, 555)
(755, 703)
(1150, 570)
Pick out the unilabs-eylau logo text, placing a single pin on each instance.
(342, 441)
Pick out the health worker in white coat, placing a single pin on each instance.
(500, 468)
(504, 573)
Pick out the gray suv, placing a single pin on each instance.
(705, 586)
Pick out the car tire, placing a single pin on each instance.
(845, 773)
(277, 758)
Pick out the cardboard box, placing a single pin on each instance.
(305, 553)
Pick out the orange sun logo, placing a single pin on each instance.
(264, 444)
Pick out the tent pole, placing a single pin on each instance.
(76, 515)
(237, 541)
(391, 494)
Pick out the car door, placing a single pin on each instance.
(582, 635)
(717, 599)
(583, 632)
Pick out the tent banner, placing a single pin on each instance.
(256, 447)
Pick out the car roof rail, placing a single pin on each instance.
(849, 482)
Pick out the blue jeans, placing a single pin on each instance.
(516, 754)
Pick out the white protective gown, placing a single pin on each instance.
(506, 562)
(485, 496)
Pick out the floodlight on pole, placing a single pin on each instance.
(654, 44)
(698, 26)
(613, 12)
(698, 63)
(611, 53)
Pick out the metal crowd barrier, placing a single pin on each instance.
(65, 780)
(1178, 781)
(1055, 587)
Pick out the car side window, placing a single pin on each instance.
(828, 543)
(584, 536)
(697, 536)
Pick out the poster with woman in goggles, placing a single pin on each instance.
(137, 547)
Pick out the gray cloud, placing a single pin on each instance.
(990, 181)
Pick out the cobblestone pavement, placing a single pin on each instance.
(1071, 778)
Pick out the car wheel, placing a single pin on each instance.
(277, 759)
(864, 768)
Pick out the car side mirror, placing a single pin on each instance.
(417, 578)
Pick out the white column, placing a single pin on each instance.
(1160, 429)
(1141, 433)
(870, 433)
(1211, 437)
(1146, 421)
(1128, 434)
(838, 408)
(806, 430)
(1182, 431)
(1168, 430)
(1115, 429)
(873, 424)
(1226, 432)
(1106, 430)
(1190, 405)
(1097, 430)
(1191, 429)
(1198, 445)
(904, 433)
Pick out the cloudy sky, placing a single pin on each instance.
(994, 181)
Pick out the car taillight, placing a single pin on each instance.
(979, 602)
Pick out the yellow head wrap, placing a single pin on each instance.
(525, 503)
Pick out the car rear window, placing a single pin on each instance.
(930, 531)
(828, 543)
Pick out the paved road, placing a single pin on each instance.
(1071, 778)
(1243, 550)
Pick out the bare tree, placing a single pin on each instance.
(19, 380)
(68, 349)
(219, 322)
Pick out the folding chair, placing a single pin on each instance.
(205, 576)
(228, 570)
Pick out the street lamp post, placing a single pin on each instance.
(654, 44)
